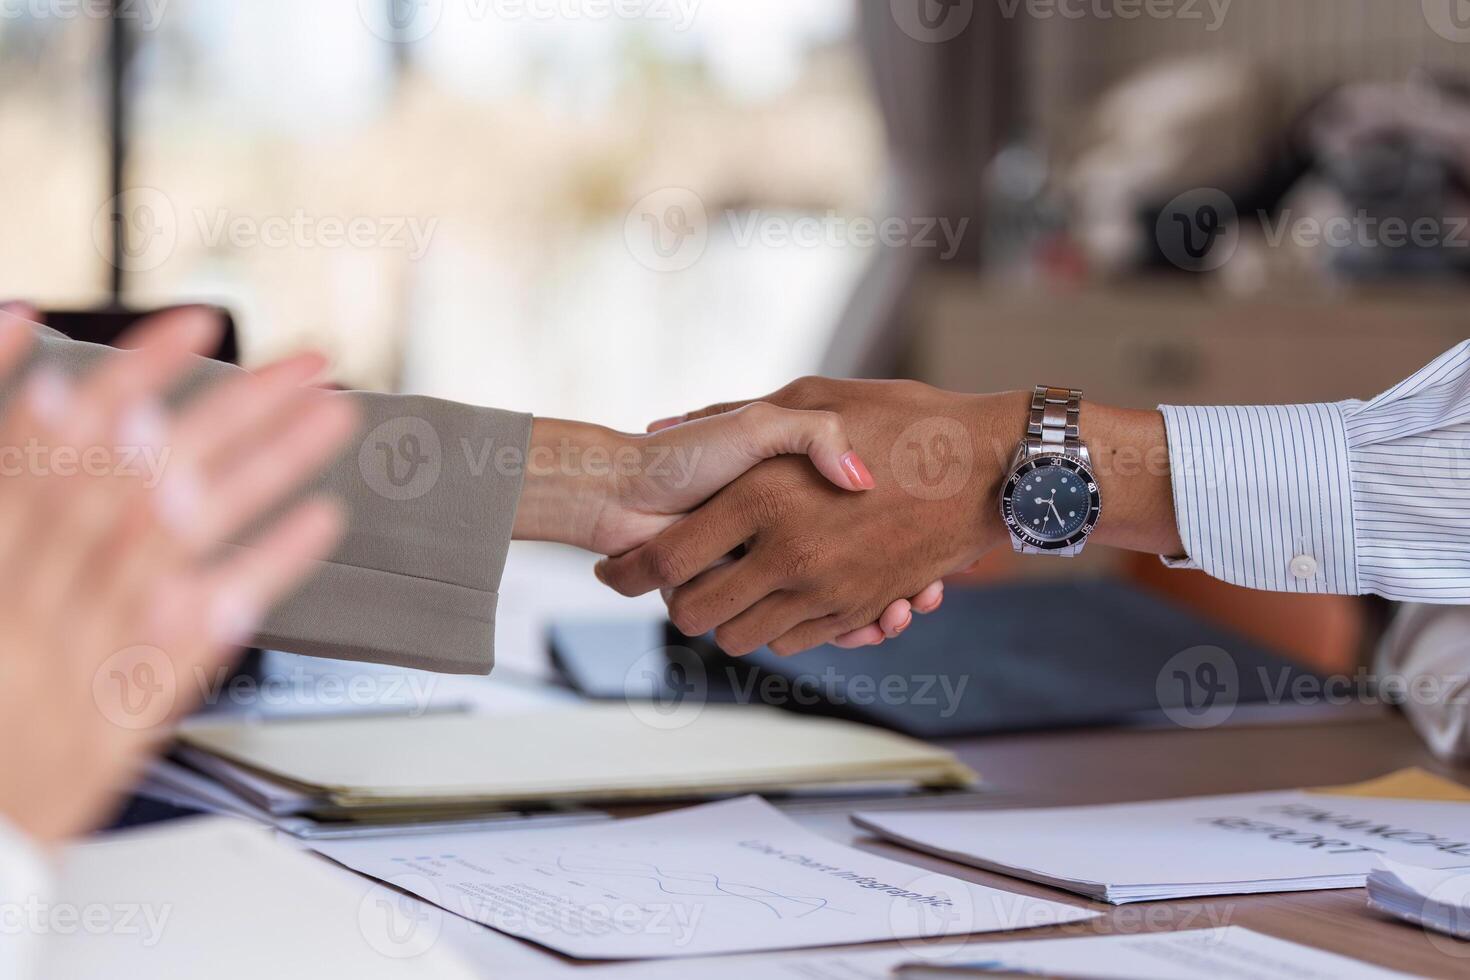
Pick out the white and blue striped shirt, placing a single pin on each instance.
(1346, 498)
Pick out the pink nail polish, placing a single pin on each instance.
(857, 472)
(667, 423)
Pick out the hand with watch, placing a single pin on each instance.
(781, 558)
(1051, 501)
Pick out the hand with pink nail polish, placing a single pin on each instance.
(118, 603)
(609, 492)
(822, 567)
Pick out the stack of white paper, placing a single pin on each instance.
(1438, 900)
(364, 768)
(1219, 845)
(721, 878)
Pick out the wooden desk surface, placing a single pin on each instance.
(1120, 765)
(1113, 766)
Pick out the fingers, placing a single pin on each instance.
(775, 615)
(200, 620)
(16, 341)
(211, 424)
(703, 413)
(869, 636)
(893, 621)
(19, 310)
(930, 599)
(248, 584)
(159, 351)
(816, 632)
(683, 551)
(732, 443)
(896, 618)
(271, 466)
(717, 596)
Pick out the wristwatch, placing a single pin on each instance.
(1050, 502)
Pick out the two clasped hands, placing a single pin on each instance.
(899, 490)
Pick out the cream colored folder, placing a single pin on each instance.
(589, 752)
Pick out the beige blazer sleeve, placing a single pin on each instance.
(431, 487)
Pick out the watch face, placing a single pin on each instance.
(1051, 502)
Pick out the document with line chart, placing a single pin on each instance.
(728, 877)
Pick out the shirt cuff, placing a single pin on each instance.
(1263, 496)
(26, 882)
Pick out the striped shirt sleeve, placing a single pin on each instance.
(1346, 498)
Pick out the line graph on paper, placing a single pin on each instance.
(594, 868)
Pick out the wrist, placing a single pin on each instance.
(997, 422)
(570, 481)
(1130, 458)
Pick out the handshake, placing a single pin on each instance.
(827, 512)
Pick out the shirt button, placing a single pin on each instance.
(1304, 566)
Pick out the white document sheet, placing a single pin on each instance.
(1230, 953)
(1220, 845)
(728, 877)
(220, 899)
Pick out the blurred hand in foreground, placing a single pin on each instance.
(118, 598)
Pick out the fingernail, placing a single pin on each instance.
(49, 396)
(233, 619)
(143, 427)
(857, 472)
(906, 624)
(597, 570)
(667, 423)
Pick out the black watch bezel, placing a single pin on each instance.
(1076, 465)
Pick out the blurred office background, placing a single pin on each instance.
(1119, 175)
